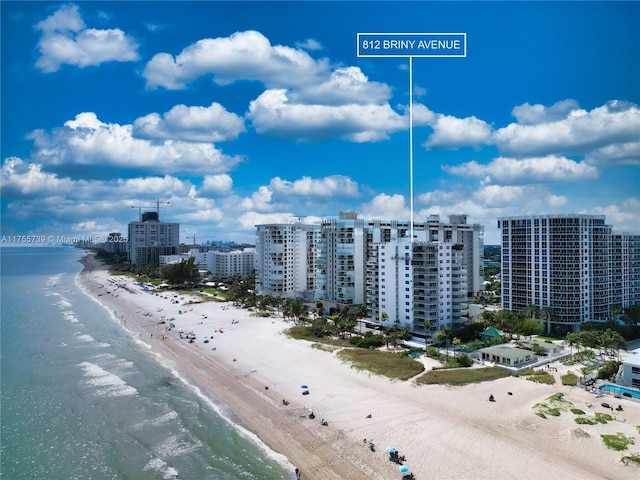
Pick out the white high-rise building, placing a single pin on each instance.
(224, 265)
(559, 263)
(625, 269)
(285, 260)
(346, 262)
(413, 283)
(149, 238)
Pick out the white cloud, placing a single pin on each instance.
(331, 186)
(22, 179)
(88, 141)
(259, 200)
(527, 114)
(242, 56)
(345, 86)
(310, 44)
(439, 196)
(65, 40)
(505, 170)
(452, 132)
(615, 155)
(626, 213)
(579, 132)
(190, 124)
(272, 113)
(216, 184)
(385, 206)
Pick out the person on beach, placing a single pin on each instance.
(297, 474)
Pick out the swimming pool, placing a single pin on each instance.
(624, 391)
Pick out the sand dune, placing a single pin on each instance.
(444, 432)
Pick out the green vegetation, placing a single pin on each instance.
(569, 379)
(301, 332)
(577, 411)
(631, 459)
(554, 406)
(391, 365)
(603, 417)
(462, 376)
(609, 370)
(617, 442)
(538, 376)
(324, 348)
(584, 421)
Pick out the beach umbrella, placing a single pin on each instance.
(391, 449)
(303, 386)
(403, 469)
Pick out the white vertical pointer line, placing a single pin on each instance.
(411, 141)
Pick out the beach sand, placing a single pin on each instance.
(444, 432)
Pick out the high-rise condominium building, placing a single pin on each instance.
(339, 263)
(285, 259)
(149, 238)
(419, 285)
(625, 269)
(224, 265)
(569, 266)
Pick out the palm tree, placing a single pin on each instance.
(456, 343)
(546, 314)
(384, 317)
(440, 337)
(447, 336)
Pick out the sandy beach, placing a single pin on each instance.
(249, 367)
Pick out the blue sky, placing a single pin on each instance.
(242, 113)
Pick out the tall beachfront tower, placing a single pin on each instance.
(286, 258)
(340, 277)
(149, 238)
(559, 263)
(625, 269)
(410, 283)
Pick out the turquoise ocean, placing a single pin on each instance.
(82, 399)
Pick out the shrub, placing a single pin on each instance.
(628, 459)
(618, 442)
(569, 379)
(369, 340)
(584, 421)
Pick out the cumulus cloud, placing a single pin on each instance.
(66, 40)
(242, 56)
(625, 213)
(216, 184)
(451, 132)
(614, 155)
(344, 86)
(384, 206)
(310, 44)
(274, 114)
(190, 124)
(22, 179)
(527, 114)
(578, 132)
(88, 141)
(331, 186)
(505, 170)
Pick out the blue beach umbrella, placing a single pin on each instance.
(403, 469)
(303, 386)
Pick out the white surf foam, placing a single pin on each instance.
(106, 383)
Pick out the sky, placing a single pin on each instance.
(227, 115)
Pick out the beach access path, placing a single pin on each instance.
(249, 366)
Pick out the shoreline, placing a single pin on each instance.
(249, 367)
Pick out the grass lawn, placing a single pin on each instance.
(462, 376)
(390, 365)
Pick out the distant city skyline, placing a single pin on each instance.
(247, 113)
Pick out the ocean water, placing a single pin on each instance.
(82, 399)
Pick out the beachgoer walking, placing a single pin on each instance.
(297, 474)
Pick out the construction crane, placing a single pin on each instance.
(140, 207)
